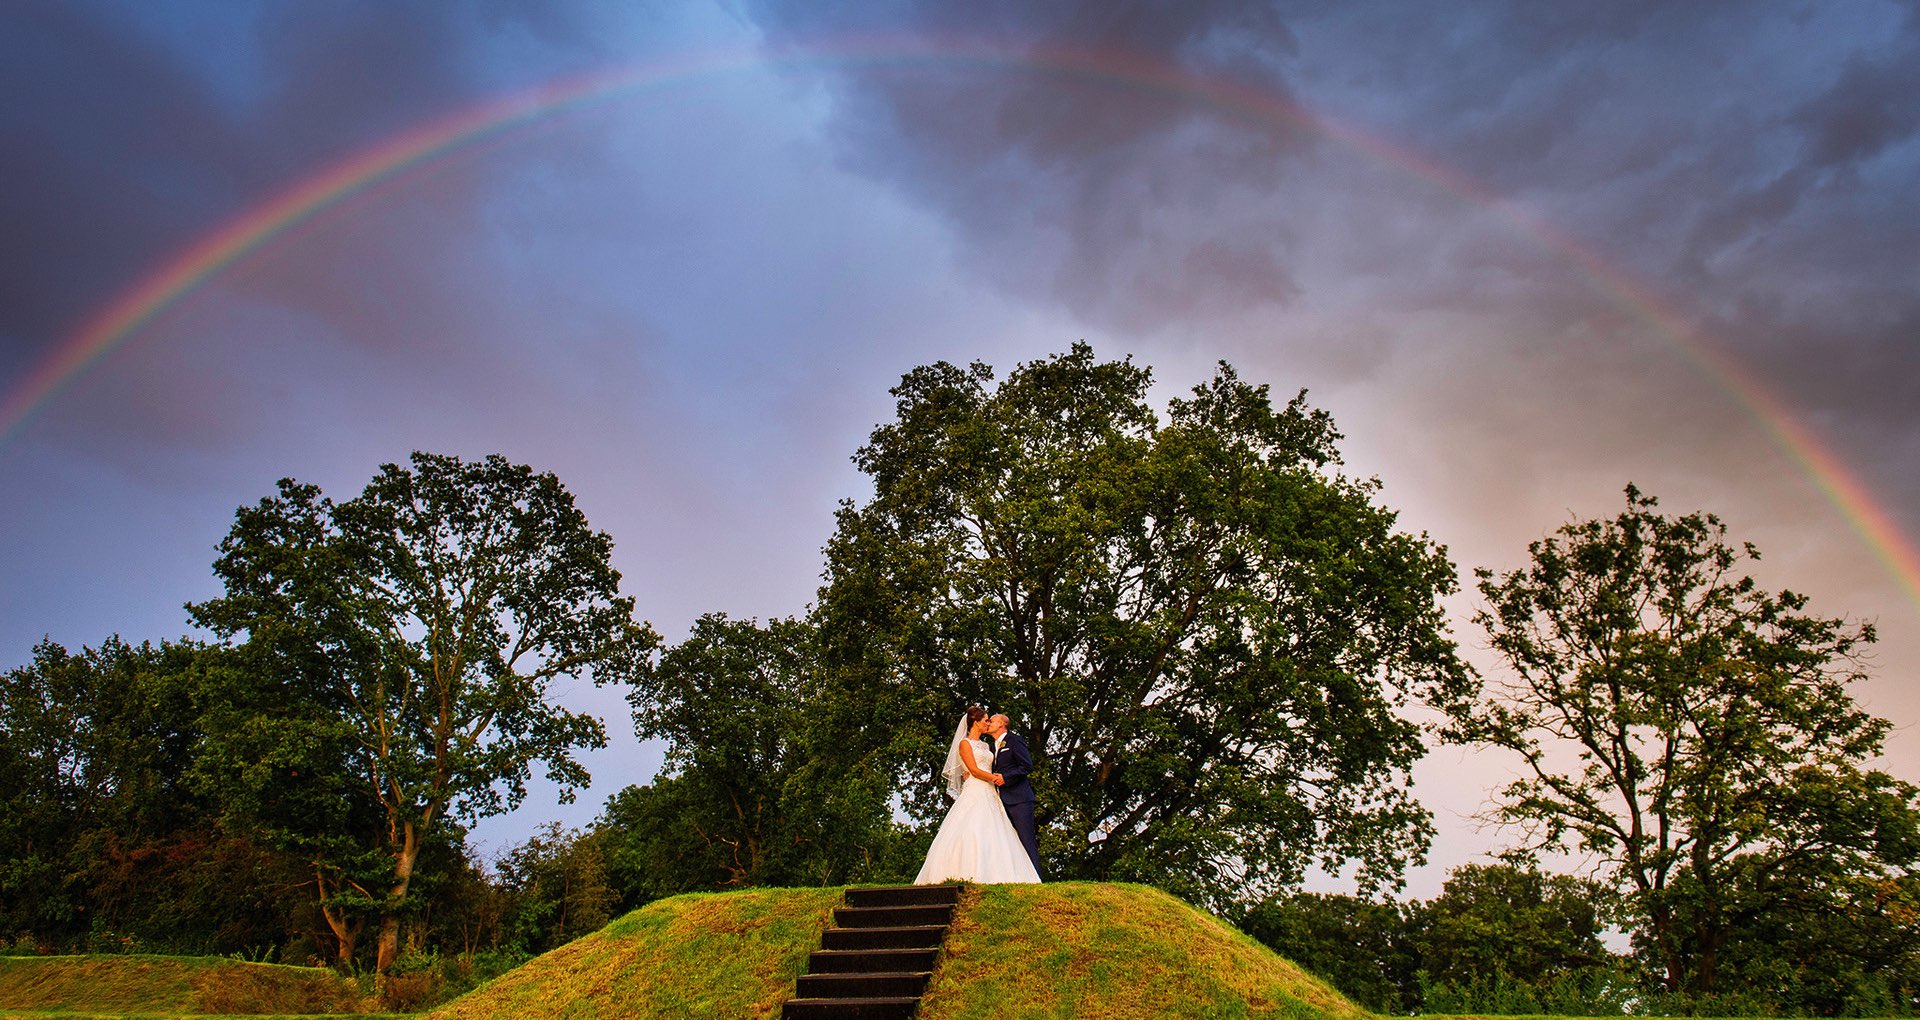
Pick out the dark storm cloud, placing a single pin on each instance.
(1104, 193)
(1664, 135)
(120, 144)
(1752, 164)
(1661, 133)
(1869, 108)
(108, 154)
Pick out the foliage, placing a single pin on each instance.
(466, 911)
(653, 847)
(1692, 731)
(1202, 629)
(1517, 922)
(1589, 992)
(1498, 939)
(1501, 939)
(757, 787)
(557, 881)
(1826, 944)
(87, 744)
(398, 649)
(1363, 947)
(103, 842)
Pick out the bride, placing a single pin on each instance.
(975, 843)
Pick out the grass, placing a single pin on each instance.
(1106, 951)
(72, 987)
(697, 955)
(1083, 950)
(1094, 951)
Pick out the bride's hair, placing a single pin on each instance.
(974, 714)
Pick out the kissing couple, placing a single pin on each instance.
(989, 833)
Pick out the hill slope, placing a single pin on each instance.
(1071, 949)
(697, 955)
(1107, 950)
(169, 986)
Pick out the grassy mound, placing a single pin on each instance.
(1104, 951)
(1073, 949)
(159, 986)
(698, 955)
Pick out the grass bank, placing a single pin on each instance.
(1087, 950)
(1083, 950)
(169, 986)
(697, 955)
(1108, 951)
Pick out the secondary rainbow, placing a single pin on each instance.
(361, 174)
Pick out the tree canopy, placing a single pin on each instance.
(757, 787)
(105, 839)
(1514, 922)
(1202, 628)
(1688, 728)
(407, 640)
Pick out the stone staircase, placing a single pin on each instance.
(874, 963)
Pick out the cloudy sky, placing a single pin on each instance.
(1525, 253)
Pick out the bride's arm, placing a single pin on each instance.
(966, 757)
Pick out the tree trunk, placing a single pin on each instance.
(409, 850)
(347, 937)
(346, 932)
(1660, 919)
(1705, 973)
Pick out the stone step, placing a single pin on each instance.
(903, 895)
(888, 1008)
(925, 936)
(892, 917)
(875, 962)
(863, 986)
(870, 961)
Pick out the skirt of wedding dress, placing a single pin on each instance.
(976, 843)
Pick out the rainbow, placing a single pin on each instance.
(361, 175)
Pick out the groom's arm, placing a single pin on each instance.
(1020, 763)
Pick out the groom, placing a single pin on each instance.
(1011, 763)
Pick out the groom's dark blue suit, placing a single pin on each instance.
(1012, 763)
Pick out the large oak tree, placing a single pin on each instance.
(1201, 626)
(408, 641)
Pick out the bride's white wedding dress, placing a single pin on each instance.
(976, 843)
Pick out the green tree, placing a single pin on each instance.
(58, 728)
(284, 752)
(103, 838)
(1527, 926)
(412, 635)
(557, 886)
(1686, 727)
(1363, 947)
(757, 787)
(1817, 941)
(1202, 628)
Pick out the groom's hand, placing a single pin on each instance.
(999, 780)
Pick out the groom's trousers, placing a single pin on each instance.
(1021, 815)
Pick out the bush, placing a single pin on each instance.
(1591, 992)
(423, 980)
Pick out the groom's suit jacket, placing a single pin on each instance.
(1013, 763)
